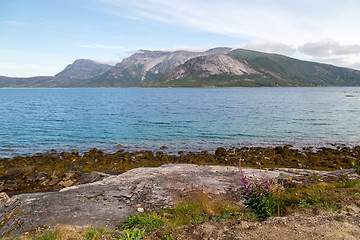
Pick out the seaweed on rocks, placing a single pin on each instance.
(56, 170)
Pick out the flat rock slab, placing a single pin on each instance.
(113, 199)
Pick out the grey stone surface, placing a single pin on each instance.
(114, 198)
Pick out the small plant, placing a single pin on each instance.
(258, 197)
(130, 222)
(102, 230)
(189, 212)
(147, 221)
(91, 234)
(135, 234)
(48, 235)
(356, 166)
(345, 183)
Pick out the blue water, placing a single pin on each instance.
(37, 120)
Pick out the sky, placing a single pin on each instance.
(41, 37)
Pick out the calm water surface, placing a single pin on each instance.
(37, 120)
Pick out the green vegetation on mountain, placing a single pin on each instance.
(270, 70)
(298, 72)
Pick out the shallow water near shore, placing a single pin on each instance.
(37, 120)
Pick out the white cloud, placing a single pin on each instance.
(290, 22)
(112, 63)
(328, 48)
(332, 52)
(293, 28)
(264, 46)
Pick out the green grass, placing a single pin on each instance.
(147, 221)
(321, 195)
(192, 210)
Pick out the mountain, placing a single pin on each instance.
(83, 69)
(145, 66)
(74, 75)
(18, 82)
(217, 67)
(297, 72)
(193, 71)
(245, 68)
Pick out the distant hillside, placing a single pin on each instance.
(83, 69)
(245, 68)
(18, 82)
(217, 67)
(297, 72)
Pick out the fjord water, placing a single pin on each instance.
(191, 119)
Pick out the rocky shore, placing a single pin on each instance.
(113, 199)
(97, 188)
(56, 170)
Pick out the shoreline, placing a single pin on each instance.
(55, 170)
(172, 147)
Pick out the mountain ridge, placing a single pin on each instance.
(145, 66)
(216, 67)
(271, 70)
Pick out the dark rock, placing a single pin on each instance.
(42, 176)
(220, 152)
(12, 185)
(30, 178)
(159, 154)
(75, 153)
(91, 177)
(20, 170)
(72, 174)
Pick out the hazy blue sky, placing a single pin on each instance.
(40, 37)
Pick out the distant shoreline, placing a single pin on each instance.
(179, 87)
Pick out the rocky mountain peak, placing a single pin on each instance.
(214, 64)
(145, 63)
(83, 69)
